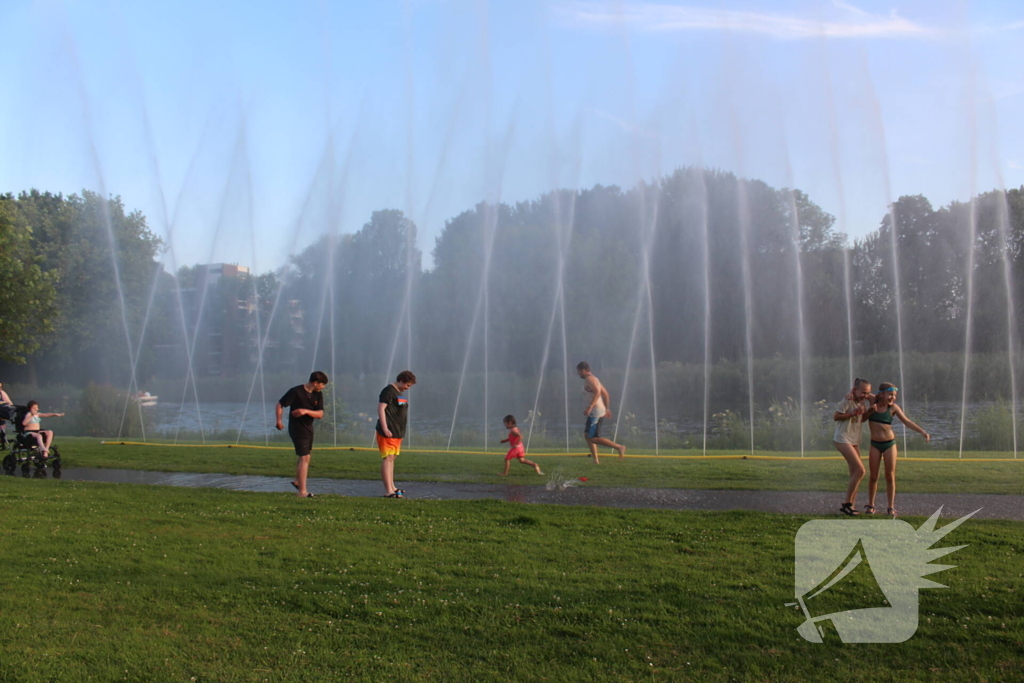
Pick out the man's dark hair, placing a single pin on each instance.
(406, 376)
(317, 376)
(583, 365)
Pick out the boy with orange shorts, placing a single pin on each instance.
(392, 417)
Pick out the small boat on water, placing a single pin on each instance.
(145, 399)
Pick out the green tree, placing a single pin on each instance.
(27, 297)
(103, 260)
(370, 288)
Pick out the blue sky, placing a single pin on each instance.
(244, 129)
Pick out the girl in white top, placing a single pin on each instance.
(44, 437)
(849, 417)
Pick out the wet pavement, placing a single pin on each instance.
(571, 492)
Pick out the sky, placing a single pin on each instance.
(243, 130)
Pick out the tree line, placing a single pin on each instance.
(699, 255)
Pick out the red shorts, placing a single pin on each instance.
(388, 446)
(516, 452)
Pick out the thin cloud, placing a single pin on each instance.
(984, 30)
(661, 18)
(850, 8)
(625, 125)
(1016, 26)
(1004, 89)
(1015, 166)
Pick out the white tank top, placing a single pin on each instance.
(599, 408)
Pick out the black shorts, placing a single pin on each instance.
(303, 441)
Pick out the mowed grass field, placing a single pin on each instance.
(919, 472)
(116, 582)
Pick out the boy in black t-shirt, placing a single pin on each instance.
(392, 417)
(307, 404)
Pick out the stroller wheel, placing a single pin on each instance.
(10, 463)
(25, 467)
(54, 463)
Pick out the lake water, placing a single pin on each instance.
(256, 422)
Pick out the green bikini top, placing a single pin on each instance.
(885, 418)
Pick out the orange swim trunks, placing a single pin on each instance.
(388, 446)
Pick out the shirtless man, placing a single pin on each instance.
(596, 411)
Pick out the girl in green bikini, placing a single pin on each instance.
(883, 444)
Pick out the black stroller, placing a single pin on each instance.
(24, 448)
(7, 412)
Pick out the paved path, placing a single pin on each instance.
(571, 493)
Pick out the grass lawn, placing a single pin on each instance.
(914, 475)
(137, 583)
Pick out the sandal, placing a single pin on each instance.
(308, 495)
(848, 509)
(869, 509)
(892, 512)
(396, 494)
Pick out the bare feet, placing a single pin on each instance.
(622, 452)
(502, 474)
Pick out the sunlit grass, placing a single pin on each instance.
(137, 583)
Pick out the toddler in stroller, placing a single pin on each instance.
(32, 445)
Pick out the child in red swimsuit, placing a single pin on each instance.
(516, 450)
